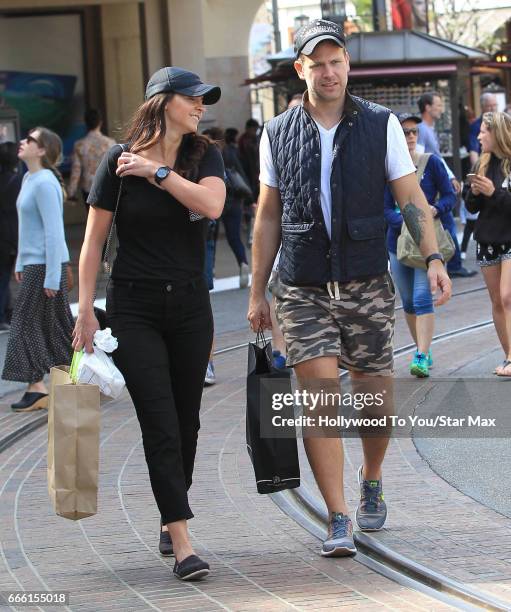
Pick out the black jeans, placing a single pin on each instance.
(165, 331)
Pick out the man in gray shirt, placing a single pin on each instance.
(431, 107)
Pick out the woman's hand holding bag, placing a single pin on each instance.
(83, 333)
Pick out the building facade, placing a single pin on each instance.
(100, 53)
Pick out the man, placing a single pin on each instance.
(87, 153)
(324, 167)
(488, 105)
(431, 107)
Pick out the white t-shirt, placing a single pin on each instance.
(398, 162)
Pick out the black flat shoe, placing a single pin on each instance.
(165, 546)
(31, 401)
(191, 568)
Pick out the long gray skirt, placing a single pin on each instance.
(40, 334)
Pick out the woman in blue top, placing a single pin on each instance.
(41, 326)
(412, 283)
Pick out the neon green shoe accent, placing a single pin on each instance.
(419, 366)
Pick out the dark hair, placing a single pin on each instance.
(8, 156)
(92, 118)
(52, 145)
(215, 133)
(230, 135)
(427, 99)
(147, 127)
(251, 123)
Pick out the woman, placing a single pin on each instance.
(412, 283)
(41, 326)
(232, 214)
(157, 300)
(490, 196)
(10, 185)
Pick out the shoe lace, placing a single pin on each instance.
(339, 525)
(421, 358)
(370, 497)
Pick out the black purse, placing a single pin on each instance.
(237, 185)
(100, 313)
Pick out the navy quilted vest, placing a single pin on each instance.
(357, 248)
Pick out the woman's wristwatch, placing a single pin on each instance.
(161, 174)
(433, 256)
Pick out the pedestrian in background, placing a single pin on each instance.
(41, 326)
(158, 303)
(232, 213)
(87, 153)
(490, 196)
(489, 104)
(431, 107)
(248, 146)
(10, 184)
(412, 283)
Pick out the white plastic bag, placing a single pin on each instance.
(97, 368)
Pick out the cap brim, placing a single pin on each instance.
(413, 118)
(309, 47)
(211, 93)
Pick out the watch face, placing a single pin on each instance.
(161, 173)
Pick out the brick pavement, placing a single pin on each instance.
(261, 559)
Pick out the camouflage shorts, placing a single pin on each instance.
(357, 324)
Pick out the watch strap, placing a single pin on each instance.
(434, 256)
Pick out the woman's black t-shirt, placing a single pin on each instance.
(158, 240)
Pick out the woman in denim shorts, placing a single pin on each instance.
(490, 195)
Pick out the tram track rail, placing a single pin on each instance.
(306, 509)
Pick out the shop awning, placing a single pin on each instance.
(398, 46)
(282, 73)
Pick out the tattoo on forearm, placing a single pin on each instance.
(414, 218)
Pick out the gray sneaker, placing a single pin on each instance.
(372, 510)
(339, 542)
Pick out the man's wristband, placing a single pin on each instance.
(434, 256)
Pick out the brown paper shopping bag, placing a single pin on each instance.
(73, 445)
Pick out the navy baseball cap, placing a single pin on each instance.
(172, 79)
(311, 34)
(402, 117)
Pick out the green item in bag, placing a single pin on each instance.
(73, 370)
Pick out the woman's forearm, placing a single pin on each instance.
(198, 198)
(90, 258)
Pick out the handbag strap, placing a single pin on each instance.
(421, 166)
(108, 247)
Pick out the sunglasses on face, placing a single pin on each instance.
(410, 131)
(30, 139)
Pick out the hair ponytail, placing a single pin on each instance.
(60, 179)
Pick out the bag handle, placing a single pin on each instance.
(421, 166)
(106, 257)
(260, 337)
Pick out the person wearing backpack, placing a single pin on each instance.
(412, 283)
